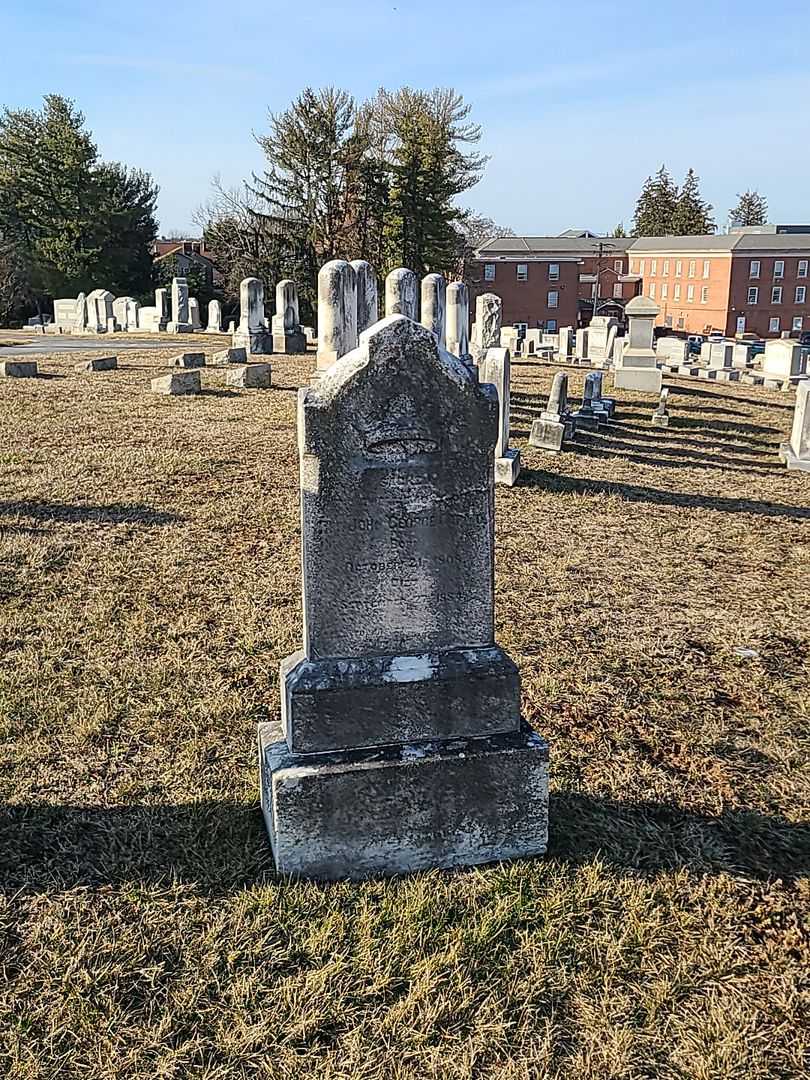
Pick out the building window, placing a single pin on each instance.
(678, 268)
(489, 271)
(522, 272)
(551, 325)
(779, 268)
(773, 325)
(641, 267)
(653, 267)
(690, 294)
(692, 265)
(617, 265)
(776, 294)
(651, 290)
(753, 268)
(676, 293)
(665, 271)
(664, 291)
(704, 294)
(797, 322)
(553, 271)
(801, 294)
(802, 271)
(753, 294)
(521, 327)
(706, 268)
(553, 299)
(617, 291)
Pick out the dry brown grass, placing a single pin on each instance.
(149, 585)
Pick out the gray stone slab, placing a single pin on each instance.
(18, 369)
(464, 692)
(402, 809)
(547, 435)
(189, 360)
(98, 363)
(251, 376)
(224, 357)
(177, 383)
(507, 468)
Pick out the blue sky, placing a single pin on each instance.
(578, 103)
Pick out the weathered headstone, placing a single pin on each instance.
(434, 306)
(554, 424)
(796, 451)
(125, 310)
(180, 322)
(486, 332)
(401, 745)
(367, 300)
(581, 347)
(743, 356)
(98, 363)
(590, 415)
(224, 357)
(18, 369)
(194, 313)
(495, 368)
(252, 334)
(401, 293)
(189, 360)
(660, 417)
(288, 337)
(250, 376)
(458, 321)
(783, 359)
(637, 369)
(673, 350)
(565, 344)
(601, 335)
(214, 317)
(717, 354)
(337, 312)
(177, 383)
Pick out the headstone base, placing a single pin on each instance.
(547, 435)
(254, 342)
(292, 343)
(251, 376)
(177, 383)
(228, 356)
(660, 421)
(18, 369)
(398, 810)
(507, 468)
(793, 461)
(334, 705)
(646, 380)
(189, 360)
(98, 363)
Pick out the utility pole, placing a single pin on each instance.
(602, 249)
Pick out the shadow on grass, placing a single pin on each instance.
(677, 457)
(114, 514)
(568, 485)
(221, 847)
(694, 391)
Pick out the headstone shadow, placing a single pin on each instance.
(112, 514)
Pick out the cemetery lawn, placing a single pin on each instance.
(653, 587)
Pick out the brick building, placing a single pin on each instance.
(743, 282)
(552, 281)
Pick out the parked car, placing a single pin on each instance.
(756, 347)
(715, 336)
(804, 339)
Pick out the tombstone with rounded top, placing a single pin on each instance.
(495, 368)
(367, 300)
(487, 326)
(434, 306)
(180, 322)
(337, 312)
(458, 321)
(214, 325)
(252, 334)
(288, 337)
(402, 293)
(401, 745)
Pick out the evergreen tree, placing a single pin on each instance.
(693, 215)
(619, 230)
(751, 209)
(655, 209)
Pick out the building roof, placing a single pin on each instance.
(552, 245)
(731, 242)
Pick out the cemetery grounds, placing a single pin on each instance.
(653, 586)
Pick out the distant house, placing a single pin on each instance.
(187, 254)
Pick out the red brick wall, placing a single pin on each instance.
(667, 278)
(527, 301)
(757, 316)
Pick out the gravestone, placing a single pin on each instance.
(636, 369)
(434, 306)
(252, 334)
(458, 321)
(18, 369)
(367, 300)
(177, 383)
(783, 358)
(400, 745)
(401, 294)
(229, 356)
(743, 356)
(337, 312)
(155, 319)
(554, 425)
(660, 417)
(717, 354)
(98, 363)
(796, 451)
(510, 336)
(565, 344)
(486, 332)
(80, 315)
(250, 376)
(673, 350)
(590, 415)
(601, 335)
(495, 368)
(194, 313)
(125, 310)
(64, 313)
(288, 337)
(189, 360)
(214, 317)
(581, 347)
(180, 322)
